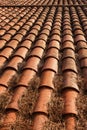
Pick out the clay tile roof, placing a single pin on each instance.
(43, 64)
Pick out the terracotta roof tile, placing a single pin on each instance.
(6, 52)
(2, 43)
(12, 44)
(6, 77)
(68, 53)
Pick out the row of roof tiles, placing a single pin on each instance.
(36, 34)
(69, 69)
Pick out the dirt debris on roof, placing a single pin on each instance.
(43, 65)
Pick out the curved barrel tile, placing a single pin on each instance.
(67, 32)
(43, 37)
(6, 52)
(67, 45)
(47, 79)
(81, 45)
(13, 44)
(70, 97)
(2, 61)
(56, 31)
(37, 52)
(40, 43)
(32, 63)
(67, 38)
(54, 44)
(21, 52)
(31, 37)
(52, 52)
(2, 43)
(26, 77)
(67, 27)
(6, 78)
(45, 31)
(70, 81)
(12, 32)
(80, 38)
(69, 64)
(83, 63)
(56, 37)
(26, 43)
(43, 100)
(50, 64)
(82, 53)
(78, 32)
(14, 63)
(2, 32)
(7, 37)
(18, 37)
(15, 99)
(68, 53)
